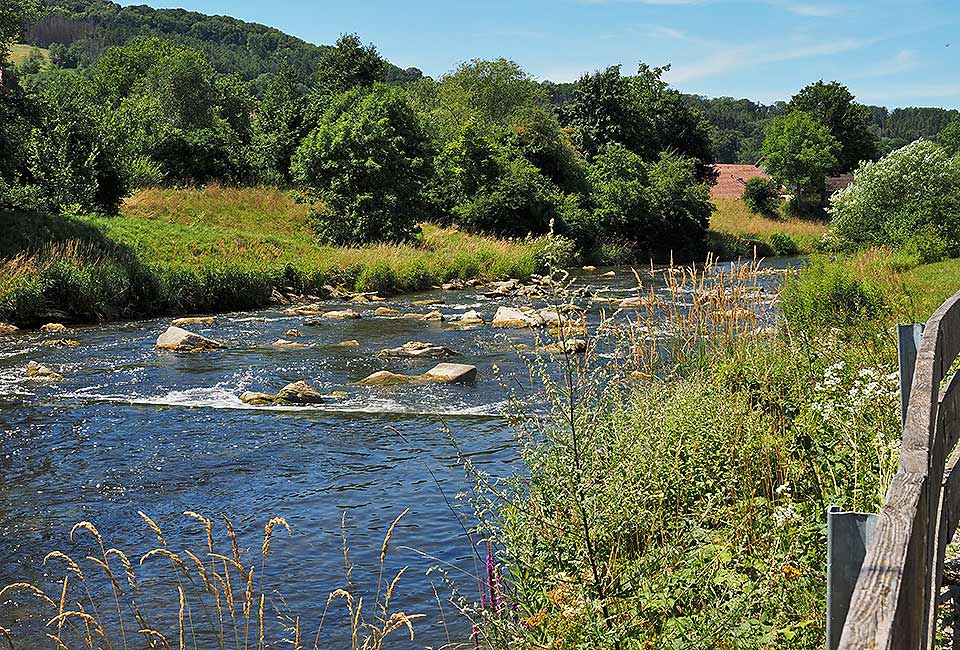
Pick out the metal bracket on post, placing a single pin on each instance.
(848, 538)
(908, 344)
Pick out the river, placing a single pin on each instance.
(132, 429)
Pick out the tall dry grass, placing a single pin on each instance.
(215, 595)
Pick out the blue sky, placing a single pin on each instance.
(893, 53)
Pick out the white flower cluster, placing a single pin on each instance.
(838, 396)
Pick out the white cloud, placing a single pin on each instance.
(727, 59)
(812, 10)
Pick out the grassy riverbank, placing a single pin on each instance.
(689, 511)
(217, 249)
(735, 229)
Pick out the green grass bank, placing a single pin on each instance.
(216, 249)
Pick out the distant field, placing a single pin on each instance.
(734, 218)
(19, 52)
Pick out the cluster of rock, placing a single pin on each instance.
(39, 371)
(442, 373)
(297, 393)
(181, 340)
(418, 350)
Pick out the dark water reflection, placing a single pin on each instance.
(132, 429)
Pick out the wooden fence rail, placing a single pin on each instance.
(894, 603)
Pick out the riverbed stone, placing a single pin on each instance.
(589, 268)
(453, 285)
(341, 314)
(506, 288)
(515, 317)
(70, 343)
(6, 329)
(193, 320)
(257, 399)
(428, 301)
(293, 333)
(608, 274)
(180, 340)
(313, 309)
(351, 343)
(451, 373)
(284, 343)
(386, 378)
(418, 349)
(299, 392)
(569, 346)
(40, 371)
(386, 311)
(637, 301)
(434, 316)
(471, 317)
(53, 328)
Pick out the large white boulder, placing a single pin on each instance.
(418, 349)
(180, 340)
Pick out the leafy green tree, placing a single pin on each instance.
(278, 128)
(849, 122)
(369, 160)
(642, 113)
(348, 64)
(949, 137)
(491, 187)
(762, 196)
(654, 206)
(798, 152)
(70, 158)
(13, 15)
(910, 196)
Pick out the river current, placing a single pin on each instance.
(132, 429)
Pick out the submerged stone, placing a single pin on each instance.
(284, 343)
(341, 314)
(180, 340)
(53, 328)
(6, 328)
(471, 317)
(193, 320)
(72, 343)
(40, 371)
(429, 301)
(448, 373)
(569, 346)
(257, 399)
(385, 311)
(293, 333)
(386, 378)
(350, 343)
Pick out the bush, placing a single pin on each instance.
(762, 196)
(783, 244)
(830, 294)
(369, 159)
(912, 193)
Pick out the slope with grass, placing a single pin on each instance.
(19, 52)
(733, 225)
(217, 249)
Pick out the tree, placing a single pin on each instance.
(762, 196)
(348, 64)
(653, 206)
(369, 161)
(491, 187)
(910, 196)
(13, 15)
(850, 123)
(798, 152)
(278, 128)
(642, 113)
(949, 137)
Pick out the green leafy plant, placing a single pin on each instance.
(762, 196)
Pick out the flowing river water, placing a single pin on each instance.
(132, 429)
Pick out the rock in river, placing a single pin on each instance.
(471, 317)
(293, 333)
(8, 329)
(257, 399)
(180, 340)
(419, 349)
(450, 373)
(40, 371)
(299, 392)
(193, 320)
(385, 311)
(341, 314)
(284, 343)
(515, 317)
(442, 373)
(53, 327)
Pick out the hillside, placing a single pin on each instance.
(77, 31)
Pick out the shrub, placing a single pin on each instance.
(783, 244)
(830, 294)
(762, 196)
(912, 192)
(369, 159)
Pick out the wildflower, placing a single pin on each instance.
(535, 620)
(783, 488)
(791, 572)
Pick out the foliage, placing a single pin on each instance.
(641, 113)
(911, 192)
(798, 152)
(348, 64)
(687, 509)
(848, 122)
(831, 294)
(278, 128)
(949, 137)
(762, 196)
(13, 15)
(369, 159)
(783, 244)
(653, 206)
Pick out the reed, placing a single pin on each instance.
(77, 615)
